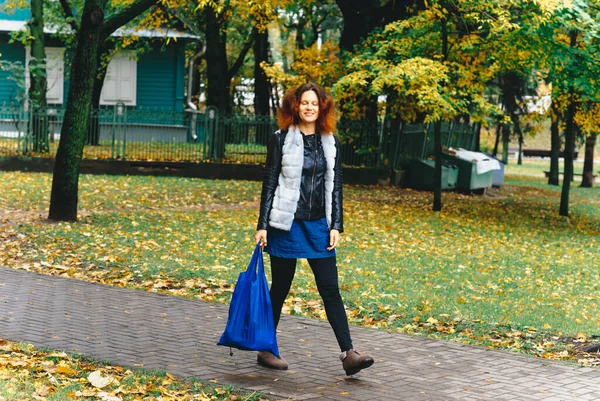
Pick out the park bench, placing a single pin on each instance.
(547, 174)
(544, 153)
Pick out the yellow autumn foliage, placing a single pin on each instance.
(321, 64)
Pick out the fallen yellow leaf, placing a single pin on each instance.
(97, 380)
(65, 370)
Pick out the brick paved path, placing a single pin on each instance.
(130, 327)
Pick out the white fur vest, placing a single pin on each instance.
(287, 193)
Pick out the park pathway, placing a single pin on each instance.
(135, 328)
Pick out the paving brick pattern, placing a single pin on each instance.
(137, 328)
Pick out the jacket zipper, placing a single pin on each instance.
(312, 184)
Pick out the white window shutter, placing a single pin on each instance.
(55, 73)
(110, 88)
(120, 82)
(127, 77)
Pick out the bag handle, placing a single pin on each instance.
(260, 260)
(256, 261)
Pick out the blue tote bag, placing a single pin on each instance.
(250, 323)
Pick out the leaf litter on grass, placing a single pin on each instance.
(501, 270)
(30, 374)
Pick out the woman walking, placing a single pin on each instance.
(301, 211)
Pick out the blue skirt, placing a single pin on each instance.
(306, 239)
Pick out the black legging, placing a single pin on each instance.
(326, 277)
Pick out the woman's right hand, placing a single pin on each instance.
(261, 236)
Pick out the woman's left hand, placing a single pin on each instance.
(334, 239)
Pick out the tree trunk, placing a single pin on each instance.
(64, 196)
(362, 16)
(217, 70)
(517, 125)
(94, 29)
(554, 178)
(568, 158)
(569, 142)
(587, 179)
(261, 83)
(520, 155)
(356, 27)
(38, 84)
(390, 134)
(93, 137)
(299, 37)
(497, 141)
(437, 176)
(218, 85)
(505, 143)
(437, 138)
(513, 93)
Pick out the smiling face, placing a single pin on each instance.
(308, 110)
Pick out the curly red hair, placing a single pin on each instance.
(287, 114)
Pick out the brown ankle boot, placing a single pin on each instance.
(353, 362)
(268, 360)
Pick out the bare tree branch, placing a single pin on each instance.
(240, 59)
(116, 21)
(175, 13)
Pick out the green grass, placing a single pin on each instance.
(100, 193)
(538, 166)
(483, 268)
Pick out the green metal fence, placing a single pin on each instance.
(124, 133)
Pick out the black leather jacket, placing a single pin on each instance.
(311, 204)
